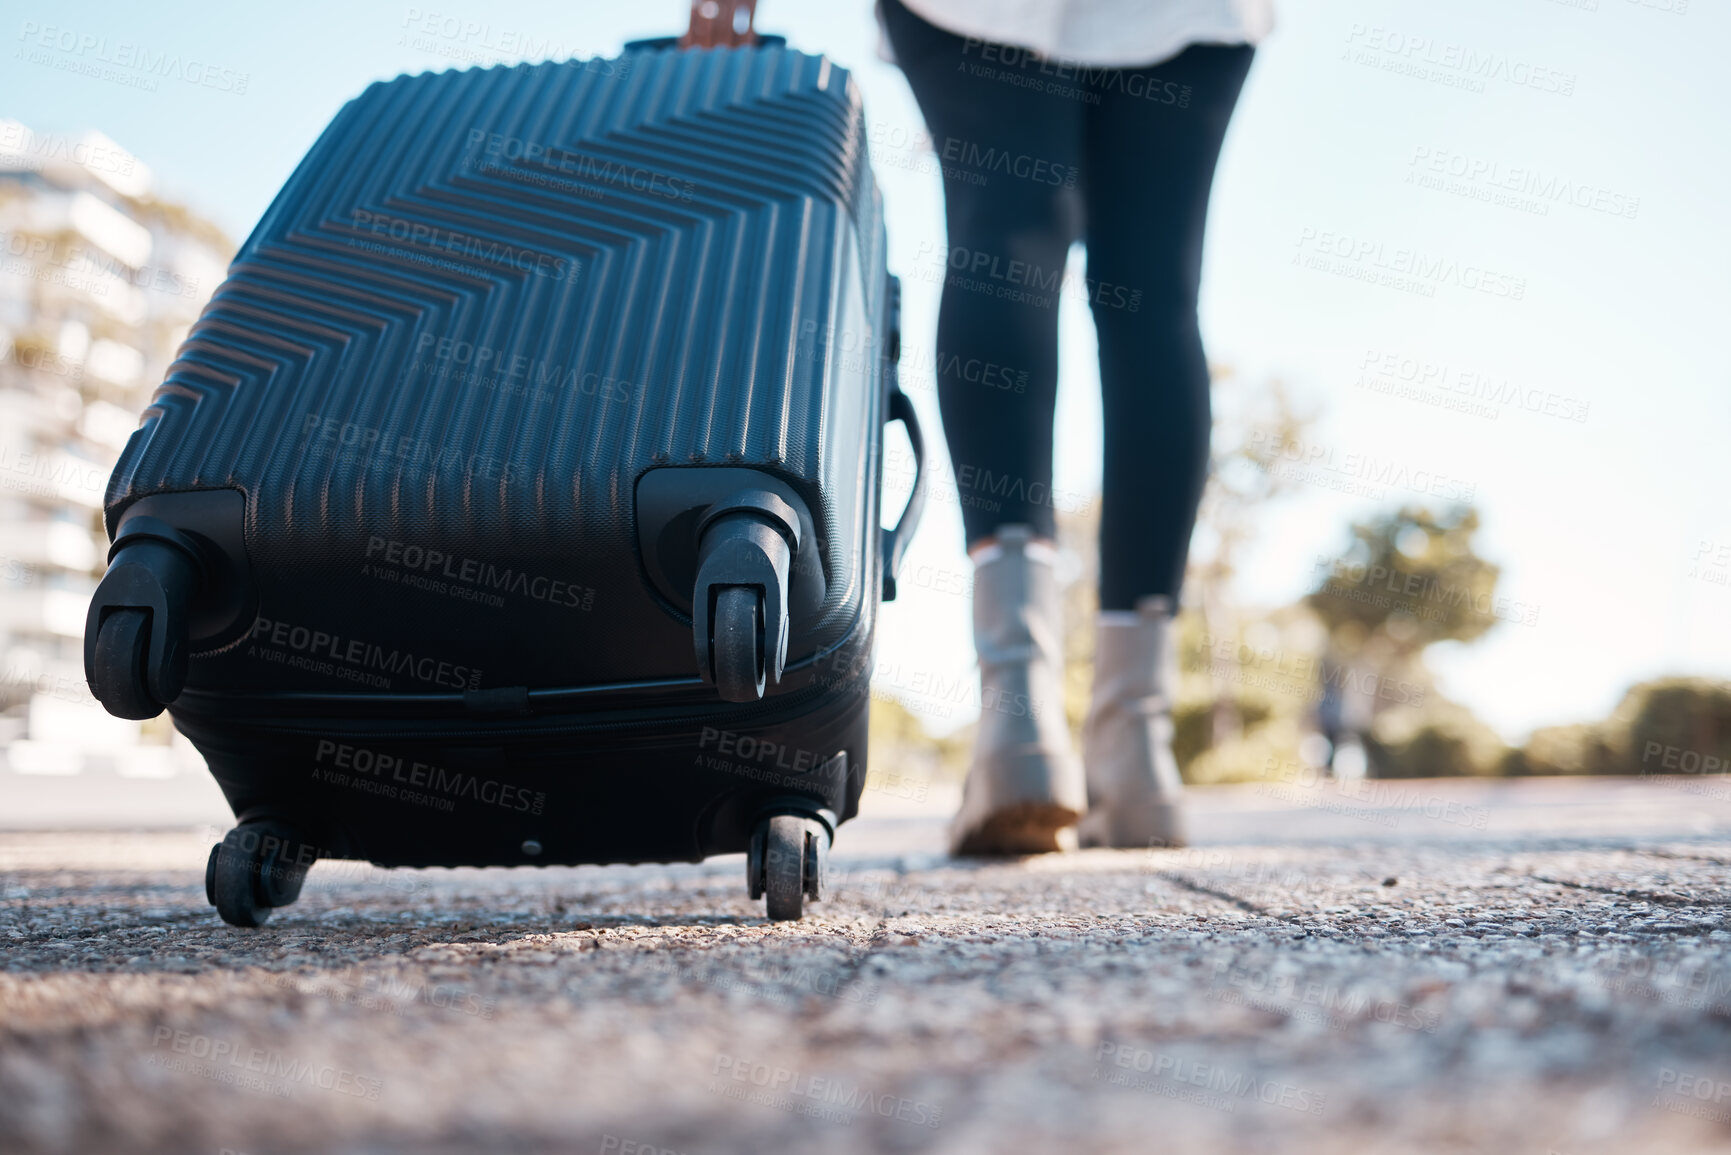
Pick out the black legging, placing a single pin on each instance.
(1035, 155)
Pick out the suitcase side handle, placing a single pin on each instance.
(896, 540)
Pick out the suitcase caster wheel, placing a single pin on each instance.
(787, 862)
(255, 868)
(738, 645)
(117, 674)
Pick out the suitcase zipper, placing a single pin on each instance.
(429, 730)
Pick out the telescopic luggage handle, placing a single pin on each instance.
(720, 24)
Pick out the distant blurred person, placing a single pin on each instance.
(1058, 121)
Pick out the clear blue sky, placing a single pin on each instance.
(1598, 522)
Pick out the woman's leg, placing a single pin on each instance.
(1010, 154)
(1151, 145)
(1152, 141)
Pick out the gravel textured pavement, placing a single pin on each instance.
(1539, 966)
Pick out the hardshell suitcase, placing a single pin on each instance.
(512, 502)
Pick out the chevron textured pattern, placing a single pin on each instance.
(488, 300)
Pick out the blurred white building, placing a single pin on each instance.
(99, 282)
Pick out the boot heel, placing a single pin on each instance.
(1024, 789)
(1023, 828)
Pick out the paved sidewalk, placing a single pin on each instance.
(1424, 966)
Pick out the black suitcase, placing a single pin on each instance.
(514, 501)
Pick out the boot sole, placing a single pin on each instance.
(1157, 826)
(1020, 828)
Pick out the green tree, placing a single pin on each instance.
(1412, 577)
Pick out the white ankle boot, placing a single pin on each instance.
(1024, 788)
(1135, 796)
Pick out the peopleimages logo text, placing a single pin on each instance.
(91, 49)
(417, 234)
(377, 449)
(443, 355)
(20, 144)
(382, 766)
(1415, 265)
(362, 655)
(499, 147)
(268, 1062)
(847, 1097)
(475, 572)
